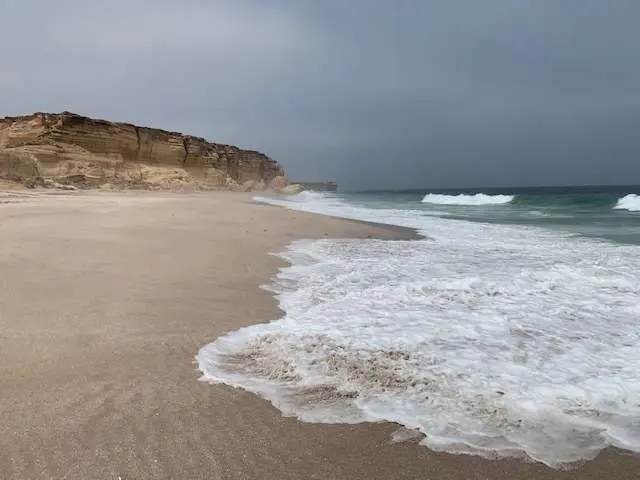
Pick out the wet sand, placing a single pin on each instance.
(104, 301)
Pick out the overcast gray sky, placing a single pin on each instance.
(373, 93)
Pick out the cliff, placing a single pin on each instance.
(72, 149)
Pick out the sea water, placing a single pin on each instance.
(511, 329)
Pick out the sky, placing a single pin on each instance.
(371, 93)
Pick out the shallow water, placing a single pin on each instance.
(488, 338)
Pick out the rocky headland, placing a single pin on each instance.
(70, 151)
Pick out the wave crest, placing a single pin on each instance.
(629, 202)
(462, 199)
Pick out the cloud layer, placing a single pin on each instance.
(373, 93)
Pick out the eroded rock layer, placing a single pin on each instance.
(72, 148)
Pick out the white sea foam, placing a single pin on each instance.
(470, 200)
(538, 213)
(629, 202)
(487, 339)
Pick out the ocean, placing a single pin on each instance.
(512, 329)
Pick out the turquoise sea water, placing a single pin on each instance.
(611, 212)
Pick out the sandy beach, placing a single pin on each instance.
(105, 299)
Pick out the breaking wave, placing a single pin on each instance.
(629, 202)
(504, 341)
(462, 199)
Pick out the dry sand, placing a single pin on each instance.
(104, 301)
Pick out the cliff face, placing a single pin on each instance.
(67, 145)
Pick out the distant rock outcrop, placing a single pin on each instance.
(68, 149)
(291, 189)
(326, 186)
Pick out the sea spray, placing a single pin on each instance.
(629, 202)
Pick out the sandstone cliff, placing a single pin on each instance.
(72, 149)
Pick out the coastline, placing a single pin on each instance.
(398, 232)
(107, 297)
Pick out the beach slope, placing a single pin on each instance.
(104, 301)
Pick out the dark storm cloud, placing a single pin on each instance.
(374, 93)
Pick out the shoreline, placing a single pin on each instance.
(404, 233)
(106, 298)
